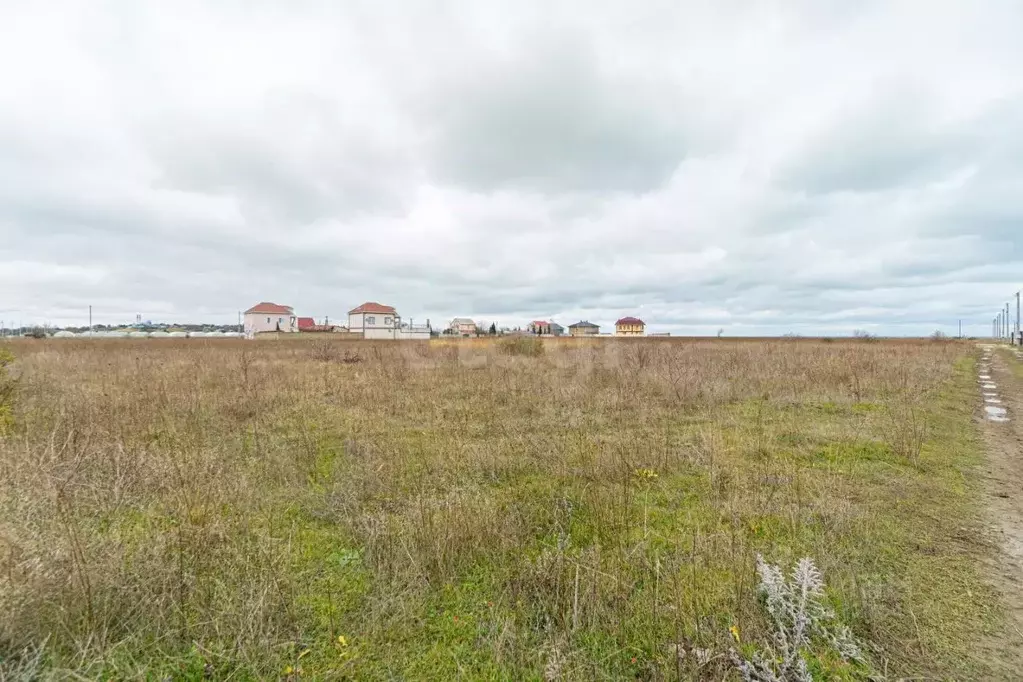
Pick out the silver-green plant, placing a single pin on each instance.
(799, 615)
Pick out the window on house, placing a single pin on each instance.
(268, 320)
(387, 320)
(371, 320)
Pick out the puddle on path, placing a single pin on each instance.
(996, 414)
(991, 400)
(989, 386)
(984, 377)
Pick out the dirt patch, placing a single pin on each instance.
(1003, 486)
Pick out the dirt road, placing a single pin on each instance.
(1001, 421)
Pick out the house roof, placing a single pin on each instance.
(630, 320)
(584, 323)
(373, 307)
(461, 320)
(270, 308)
(306, 323)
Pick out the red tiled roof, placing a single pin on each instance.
(630, 320)
(306, 323)
(270, 308)
(376, 308)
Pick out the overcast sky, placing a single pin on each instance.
(761, 167)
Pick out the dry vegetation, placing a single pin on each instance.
(498, 510)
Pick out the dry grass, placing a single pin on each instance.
(589, 511)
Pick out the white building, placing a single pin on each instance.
(270, 317)
(378, 321)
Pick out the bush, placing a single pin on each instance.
(522, 345)
(800, 620)
(36, 333)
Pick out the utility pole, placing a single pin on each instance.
(960, 329)
(1017, 339)
(90, 320)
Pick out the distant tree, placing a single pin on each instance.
(36, 333)
(493, 329)
(721, 332)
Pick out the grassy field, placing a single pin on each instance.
(489, 510)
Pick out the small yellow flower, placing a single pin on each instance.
(288, 670)
(644, 473)
(735, 633)
(342, 640)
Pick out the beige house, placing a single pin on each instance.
(374, 320)
(462, 326)
(583, 328)
(270, 317)
(377, 321)
(630, 326)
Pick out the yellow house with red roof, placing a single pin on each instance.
(630, 326)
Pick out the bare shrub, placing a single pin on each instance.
(525, 346)
(324, 350)
(905, 429)
(7, 385)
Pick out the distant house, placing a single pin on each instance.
(374, 320)
(307, 325)
(462, 326)
(378, 321)
(545, 328)
(270, 317)
(630, 326)
(583, 328)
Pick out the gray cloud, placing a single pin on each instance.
(813, 167)
(550, 120)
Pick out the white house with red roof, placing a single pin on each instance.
(377, 321)
(270, 317)
(374, 320)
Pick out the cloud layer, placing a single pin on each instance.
(762, 168)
